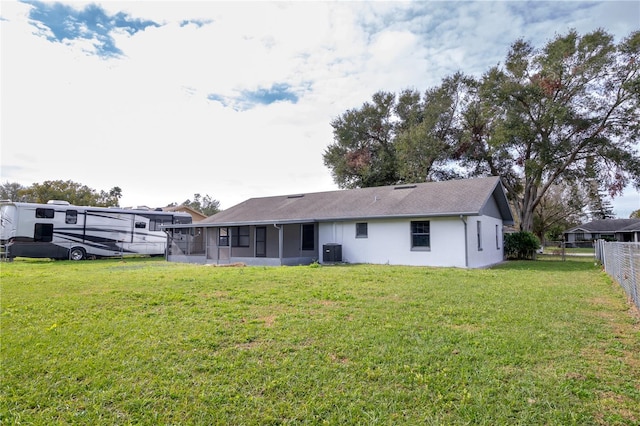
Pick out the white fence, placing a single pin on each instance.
(622, 262)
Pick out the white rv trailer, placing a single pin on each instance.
(60, 230)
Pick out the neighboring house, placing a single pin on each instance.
(624, 230)
(195, 214)
(454, 223)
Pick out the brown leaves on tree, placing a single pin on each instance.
(359, 159)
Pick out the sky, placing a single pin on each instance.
(234, 100)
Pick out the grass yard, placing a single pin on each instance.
(568, 251)
(144, 341)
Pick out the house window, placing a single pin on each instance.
(497, 237)
(71, 217)
(361, 230)
(479, 234)
(43, 232)
(42, 213)
(420, 235)
(308, 237)
(223, 237)
(579, 236)
(240, 236)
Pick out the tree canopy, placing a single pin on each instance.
(365, 154)
(73, 192)
(206, 205)
(81, 195)
(564, 114)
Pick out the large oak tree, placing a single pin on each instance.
(364, 152)
(394, 139)
(565, 114)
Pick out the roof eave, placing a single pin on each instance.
(503, 203)
(324, 219)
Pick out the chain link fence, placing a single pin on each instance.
(622, 262)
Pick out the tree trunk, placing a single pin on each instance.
(528, 205)
(526, 219)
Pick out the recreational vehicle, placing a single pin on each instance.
(60, 230)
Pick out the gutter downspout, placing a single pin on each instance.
(280, 242)
(466, 243)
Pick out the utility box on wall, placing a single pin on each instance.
(332, 253)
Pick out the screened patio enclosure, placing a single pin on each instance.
(255, 244)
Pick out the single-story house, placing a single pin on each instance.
(623, 230)
(455, 223)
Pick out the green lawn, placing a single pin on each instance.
(143, 341)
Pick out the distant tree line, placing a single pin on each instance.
(81, 195)
(64, 190)
(559, 124)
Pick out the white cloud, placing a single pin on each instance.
(624, 205)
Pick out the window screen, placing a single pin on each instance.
(420, 234)
(361, 230)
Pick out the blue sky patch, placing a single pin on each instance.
(197, 22)
(90, 23)
(534, 12)
(278, 92)
(217, 98)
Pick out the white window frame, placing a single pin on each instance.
(412, 228)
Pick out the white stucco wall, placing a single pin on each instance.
(492, 248)
(389, 241)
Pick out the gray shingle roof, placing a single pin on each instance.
(635, 227)
(607, 226)
(456, 197)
